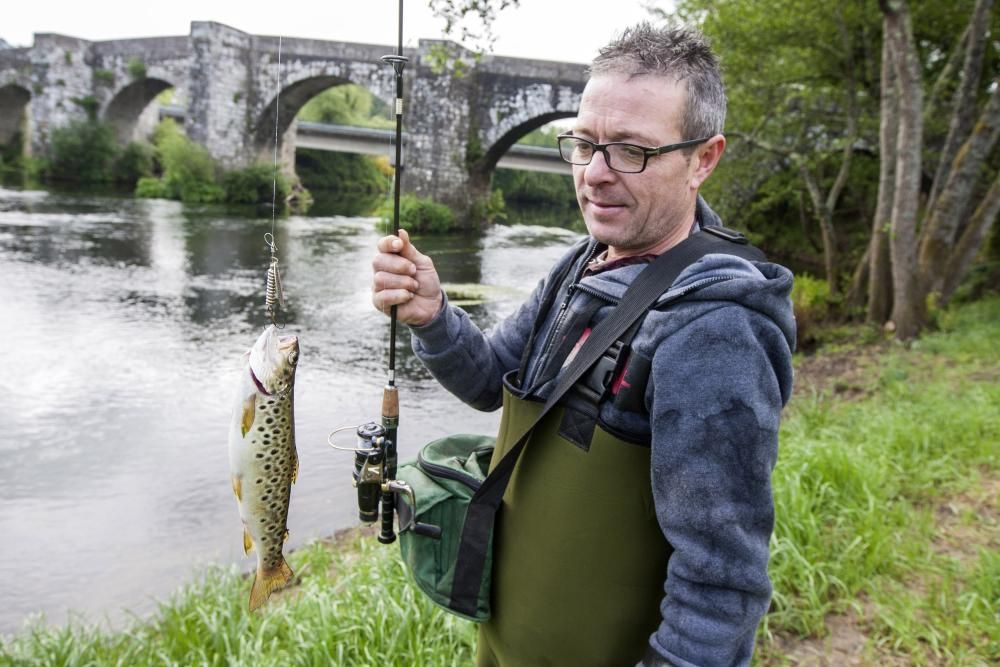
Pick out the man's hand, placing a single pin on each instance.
(407, 279)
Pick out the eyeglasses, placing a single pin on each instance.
(622, 157)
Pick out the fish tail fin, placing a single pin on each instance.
(267, 581)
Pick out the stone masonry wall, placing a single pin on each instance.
(458, 120)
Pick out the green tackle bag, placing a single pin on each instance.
(445, 476)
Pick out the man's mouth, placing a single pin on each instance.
(602, 205)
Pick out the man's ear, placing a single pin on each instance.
(706, 158)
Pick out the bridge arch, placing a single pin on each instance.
(292, 98)
(14, 101)
(127, 105)
(289, 101)
(484, 167)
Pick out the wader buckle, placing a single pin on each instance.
(595, 384)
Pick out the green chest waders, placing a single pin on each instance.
(579, 559)
(578, 555)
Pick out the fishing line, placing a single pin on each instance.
(274, 295)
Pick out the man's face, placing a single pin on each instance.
(652, 210)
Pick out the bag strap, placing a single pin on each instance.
(648, 286)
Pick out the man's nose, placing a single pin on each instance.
(598, 170)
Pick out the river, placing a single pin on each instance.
(123, 326)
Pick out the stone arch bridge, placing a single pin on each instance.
(457, 126)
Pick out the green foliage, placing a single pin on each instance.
(449, 58)
(530, 187)
(545, 136)
(471, 21)
(151, 188)
(368, 613)
(190, 175)
(83, 152)
(134, 162)
(347, 104)
(89, 104)
(257, 184)
(327, 170)
(813, 309)
(490, 210)
(104, 77)
(12, 157)
(421, 216)
(855, 489)
(136, 69)
(188, 170)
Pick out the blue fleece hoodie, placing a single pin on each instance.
(720, 374)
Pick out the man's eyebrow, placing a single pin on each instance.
(618, 136)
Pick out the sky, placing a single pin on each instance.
(565, 30)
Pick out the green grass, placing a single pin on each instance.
(858, 489)
(365, 614)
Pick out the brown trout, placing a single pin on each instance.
(262, 457)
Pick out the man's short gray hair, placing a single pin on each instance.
(678, 52)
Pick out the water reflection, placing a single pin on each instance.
(124, 325)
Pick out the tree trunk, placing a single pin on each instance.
(963, 106)
(829, 235)
(880, 267)
(952, 205)
(971, 240)
(909, 310)
(854, 300)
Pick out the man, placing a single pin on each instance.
(643, 534)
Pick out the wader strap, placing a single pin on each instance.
(644, 291)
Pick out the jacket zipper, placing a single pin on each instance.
(564, 306)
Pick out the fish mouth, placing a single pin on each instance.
(288, 343)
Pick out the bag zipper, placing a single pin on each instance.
(438, 470)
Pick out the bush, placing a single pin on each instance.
(342, 172)
(150, 188)
(83, 151)
(258, 184)
(134, 163)
(188, 169)
(490, 210)
(421, 216)
(813, 308)
(529, 187)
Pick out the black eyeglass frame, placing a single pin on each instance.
(646, 151)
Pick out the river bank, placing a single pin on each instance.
(885, 551)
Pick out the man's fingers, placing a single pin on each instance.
(390, 263)
(390, 244)
(384, 280)
(385, 299)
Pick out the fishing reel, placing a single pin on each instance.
(374, 475)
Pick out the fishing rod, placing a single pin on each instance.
(376, 457)
(390, 395)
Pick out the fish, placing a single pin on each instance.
(263, 461)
